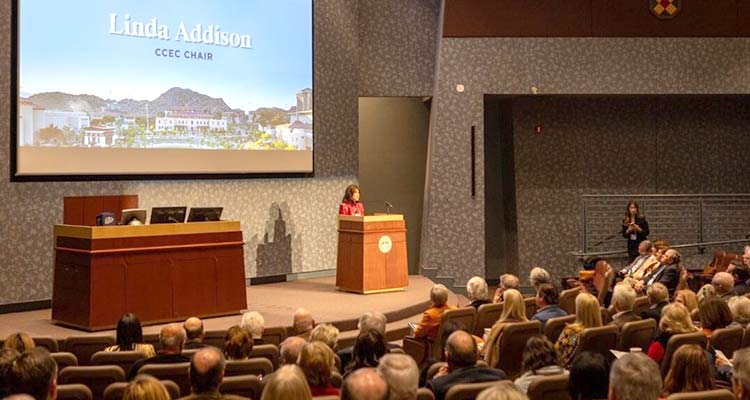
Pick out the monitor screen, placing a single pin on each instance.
(168, 215)
(116, 88)
(202, 214)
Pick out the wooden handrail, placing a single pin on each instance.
(151, 248)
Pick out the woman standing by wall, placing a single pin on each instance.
(634, 228)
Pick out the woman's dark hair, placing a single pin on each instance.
(369, 347)
(237, 344)
(714, 313)
(688, 372)
(589, 377)
(129, 332)
(626, 218)
(349, 193)
(538, 353)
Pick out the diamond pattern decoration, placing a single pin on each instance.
(664, 9)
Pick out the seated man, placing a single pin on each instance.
(507, 281)
(741, 275)
(34, 373)
(303, 323)
(364, 384)
(428, 326)
(172, 340)
(254, 324)
(194, 331)
(644, 253)
(206, 375)
(658, 297)
(546, 302)
(461, 355)
(476, 291)
(623, 299)
(667, 273)
(290, 348)
(723, 283)
(401, 374)
(634, 377)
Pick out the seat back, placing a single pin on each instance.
(567, 299)
(465, 316)
(603, 276)
(598, 340)
(123, 359)
(85, 346)
(553, 387)
(215, 338)
(418, 349)
(116, 390)
(274, 335)
(727, 339)
(64, 359)
(512, 342)
(97, 378)
(675, 342)
(434, 368)
(640, 305)
(253, 366)
(269, 351)
(189, 353)
(177, 373)
(75, 391)
(487, 315)
(152, 339)
(425, 394)
(241, 385)
(530, 303)
(554, 326)
(467, 391)
(720, 394)
(637, 334)
(47, 342)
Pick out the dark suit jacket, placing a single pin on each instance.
(477, 303)
(157, 359)
(440, 386)
(624, 318)
(345, 354)
(194, 345)
(669, 276)
(654, 311)
(741, 289)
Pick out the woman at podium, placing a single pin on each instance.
(350, 205)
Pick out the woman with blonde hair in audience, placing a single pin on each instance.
(130, 336)
(503, 390)
(705, 291)
(237, 344)
(675, 319)
(145, 387)
(514, 310)
(287, 383)
(740, 307)
(688, 372)
(19, 342)
(714, 313)
(327, 334)
(316, 361)
(687, 298)
(588, 315)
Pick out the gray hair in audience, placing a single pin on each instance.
(372, 320)
(740, 306)
(634, 377)
(253, 323)
(172, 336)
(509, 281)
(741, 362)
(624, 296)
(303, 320)
(538, 276)
(504, 390)
(401, 373)
(290, 348)
(476, 288)
(439, 295)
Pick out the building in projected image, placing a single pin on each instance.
(75, 120)
(304, 111)
(189, 121)
(32, 118)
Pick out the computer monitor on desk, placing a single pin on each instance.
(202, 214)
(168, 215)
(133, 216)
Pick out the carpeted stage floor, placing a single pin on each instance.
(276, 302)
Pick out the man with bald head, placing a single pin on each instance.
(172, 340)
(303, 323)
(290, 348)
(206, 374)
(461, 354)
(194, 332)
(723, 282)
(364, 384)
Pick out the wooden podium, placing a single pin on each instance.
(163, 272)
(372, 254)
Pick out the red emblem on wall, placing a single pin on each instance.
(665, 9)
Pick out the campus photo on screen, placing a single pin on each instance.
(182, 86)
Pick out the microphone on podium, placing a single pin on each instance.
(388, 207)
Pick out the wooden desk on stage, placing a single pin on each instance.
(164, 272)
(372, 254)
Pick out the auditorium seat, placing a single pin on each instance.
(85, 346)
(97, 377)
(467, 391)
(727, 339)
(549, 388)
(512, 342)
(241, 385)
(74, 391)
(487, 315)
(598, 340)
(637, 334)
(152, 339)
(274, 335)
(254, 366)
(215, 338)
(419, 348)
(269, 351)
(47, 342)
(64, 359)
(554, 326)
(567, 300)
(425, 394)
(675, 342)
(530, 303)
(603, 276)
(640, 305)
(177, 373)
(189, 353)
(116, 390)
(434, 368)
(720, 394)
(123, 359)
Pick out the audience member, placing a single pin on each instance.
(740, 307)
(448, 328)
(316, 361)
(34, 372)
(145, 387)
(327, 334)
(364, 384)
(401, 374)
(723, 282)
(369, 348)
(237, 344)
(675, 319)
(287, 383)
(741, 274)
(547, 304)
(172, 339)
(658, 298)
(588, 315)
(687, 298)
(369, 320)
(7, 357)
(502, 391)
(254, 324)
(688, 372)
(514, 310)
(290, 348)
(539, 276)
(645, 252)
(741, 374)
(507, 281)
(653, 262)
(714, 314)
(667, 273)
(634, 377)
(461, 354)
(19, 342)
(428, 326)
(540, 359)
(623, 298)
(206, 375)
(130, 336)
(705, 291)
(589, 377)
(194, 332)
(477, 292)
(303, 323)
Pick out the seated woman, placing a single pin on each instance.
(130, 336)
(477, 292)
(713, 313)
(316, 361)
(588, 315)
(740, 307)
(589, 377)
(428, 326)
(514, 310)
(369, 348)
(675, 319)
(688, 372)
(689, 299)
(540, 359)
(145, 387)
(327, 334)
(19, 342)
(287, 383)
(237, 344)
